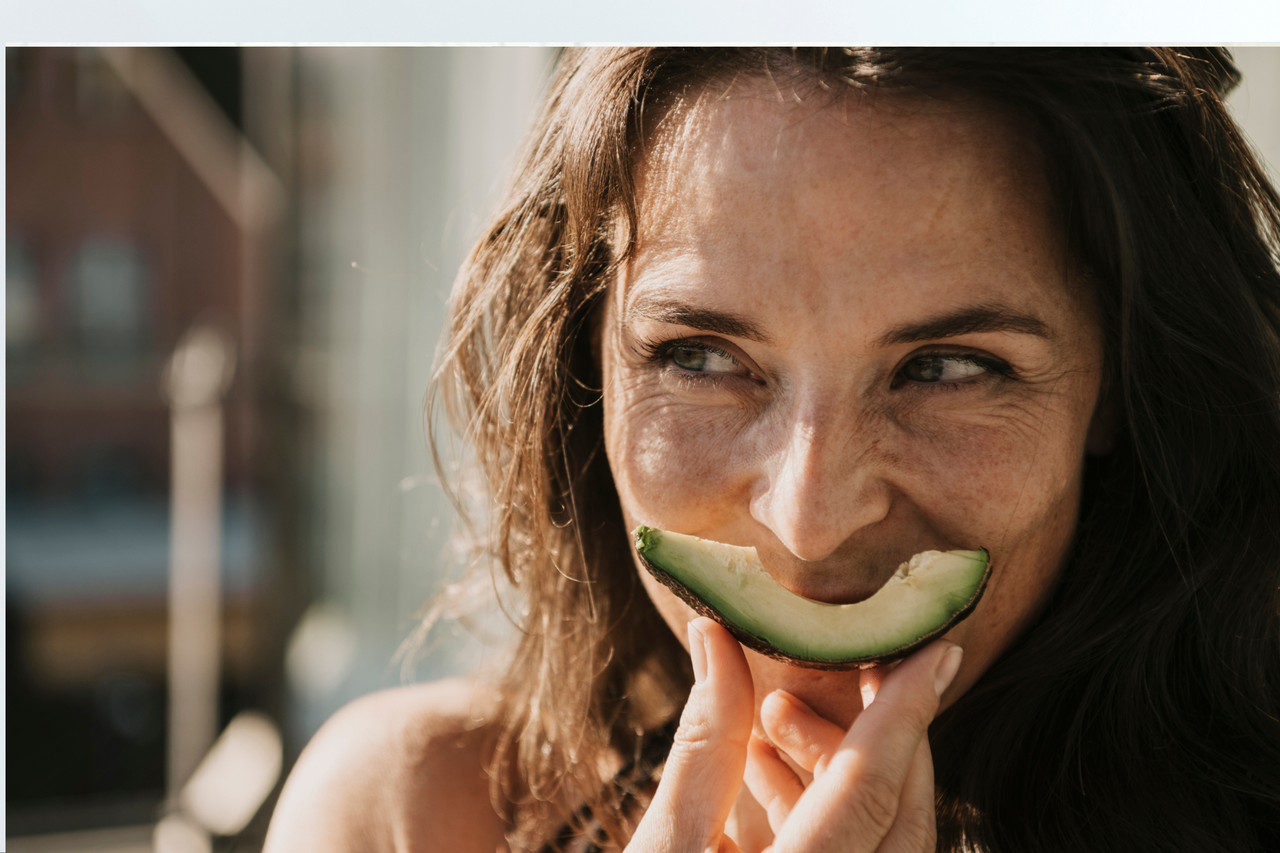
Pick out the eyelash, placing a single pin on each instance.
(659, 352)
(997, 370)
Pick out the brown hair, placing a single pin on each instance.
(1158, 660)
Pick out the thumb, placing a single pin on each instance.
(704, 770)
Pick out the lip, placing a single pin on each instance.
(831, 584)
(838, 592)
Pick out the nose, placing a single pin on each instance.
(820, 484)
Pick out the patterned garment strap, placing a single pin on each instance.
(635, 784)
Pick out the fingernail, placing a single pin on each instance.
(785, 698)
(698, 651)
(790, 704)
(947, 669)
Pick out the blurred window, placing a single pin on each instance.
(100, 93)
(108, 293)
(21, 307)
(14, 75)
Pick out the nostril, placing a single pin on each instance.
(807, 533)
(812, 524)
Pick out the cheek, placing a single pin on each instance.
(673, 463)
(999, 478)
(669, 465)
(1014, 489)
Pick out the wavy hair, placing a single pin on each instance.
(1142, 709)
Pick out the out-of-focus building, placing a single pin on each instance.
(133, 210)
(315, 202)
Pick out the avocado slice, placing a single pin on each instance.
(926, 596)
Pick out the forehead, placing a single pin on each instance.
(906, 191)
(771, 121)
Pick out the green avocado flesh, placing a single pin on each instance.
(926, 596)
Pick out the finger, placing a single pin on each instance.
(853, 806)
(916, 826)
(774, 785)
(808, 739)
(704, 769)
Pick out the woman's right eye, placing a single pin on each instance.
(702, 358)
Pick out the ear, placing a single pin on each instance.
(1102, 429)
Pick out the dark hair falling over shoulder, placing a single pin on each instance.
(1142, 710)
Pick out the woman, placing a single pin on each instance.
(845, 306)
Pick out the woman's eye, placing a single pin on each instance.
(942, 368)
(702, 359)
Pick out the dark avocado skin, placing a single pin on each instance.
(757, 644)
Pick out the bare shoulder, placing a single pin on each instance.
(399, 770)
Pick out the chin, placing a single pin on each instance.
(837, 696)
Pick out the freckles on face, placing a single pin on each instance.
(665, 448)
(1010, 477)
(848, 334)
(1006, 465)
(678, 464)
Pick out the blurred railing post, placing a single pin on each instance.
(195, 381)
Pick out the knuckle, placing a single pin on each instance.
(701, 736)
(875, 803)
(695, 737)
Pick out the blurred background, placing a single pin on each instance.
(225, 275)
(305, 210)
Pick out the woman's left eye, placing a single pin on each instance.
(941, 368)
(701, 358)
(691, 356)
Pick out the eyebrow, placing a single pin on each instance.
(702, 319)
(968, 321)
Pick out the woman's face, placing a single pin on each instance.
(850, 332)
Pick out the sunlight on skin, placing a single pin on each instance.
(807, 430)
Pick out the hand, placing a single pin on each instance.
(703, 772)
(873, 785)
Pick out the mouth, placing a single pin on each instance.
(848, 579)
(830, 588)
